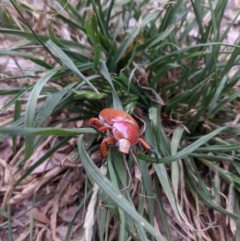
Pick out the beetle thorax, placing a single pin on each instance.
(125, 130)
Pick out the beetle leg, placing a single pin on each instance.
(148, 147)
(155, 154)
(108, 141)
(97, 125)
(145, 144)
(104, 128)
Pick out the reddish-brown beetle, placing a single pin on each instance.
(123, 128)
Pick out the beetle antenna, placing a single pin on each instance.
(155, 154)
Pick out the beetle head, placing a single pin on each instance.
(124, 145)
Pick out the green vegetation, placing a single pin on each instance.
(163, 62)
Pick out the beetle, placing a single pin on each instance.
(123, 129)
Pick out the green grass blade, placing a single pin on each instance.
(225, 101)
(31, 107)
(216, 96)
(67, 61)
(206, 199)
(92, 32)
(160, 168)
(73, 12)
(15, 99)
(46, 131)
(122, 231)
(10, 232)
(162, 211)
(236, 210)
(147, 182)
(31, 37)
(156, 40)
(50, 104)
(28, 56)
(17, 115)
(104, 71)
(184, 152)
(175, 172)
(127, 41)
(35, 35)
